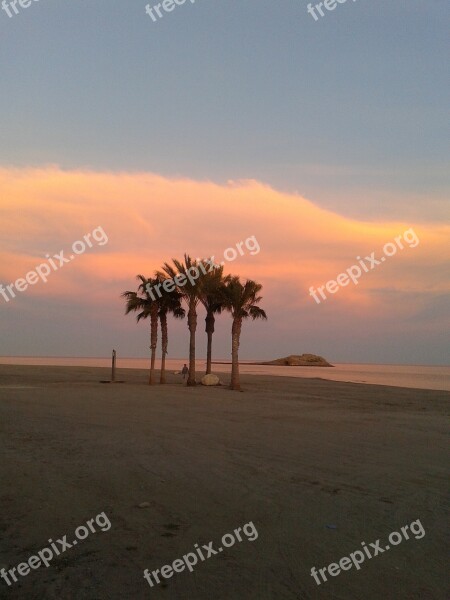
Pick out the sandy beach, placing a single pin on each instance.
(317, 466)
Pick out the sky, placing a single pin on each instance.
(325, 140)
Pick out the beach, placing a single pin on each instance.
(317, 466)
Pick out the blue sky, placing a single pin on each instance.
(349, 111)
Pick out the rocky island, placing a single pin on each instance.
(300, 360)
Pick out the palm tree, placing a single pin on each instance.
(189, 292)
(211, 295)
(145, 306)
(170, 302)
(241, 301)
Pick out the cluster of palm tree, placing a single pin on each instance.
(215, 291)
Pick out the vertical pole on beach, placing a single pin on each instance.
(113, 374)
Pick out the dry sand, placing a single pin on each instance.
(292, 455)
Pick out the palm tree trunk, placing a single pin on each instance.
(210, 320)
(153, 341)
(235, 337)
(192, 324)
(164, 344)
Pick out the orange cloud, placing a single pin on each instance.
(150, 219)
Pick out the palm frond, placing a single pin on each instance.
(241, 299)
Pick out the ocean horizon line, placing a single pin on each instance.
(249, 361)
(218, 361)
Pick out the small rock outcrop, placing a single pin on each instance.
(301, 360)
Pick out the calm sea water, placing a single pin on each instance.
(414, 376)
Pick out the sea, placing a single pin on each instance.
(410, 376)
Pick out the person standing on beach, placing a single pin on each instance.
(185, 371)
